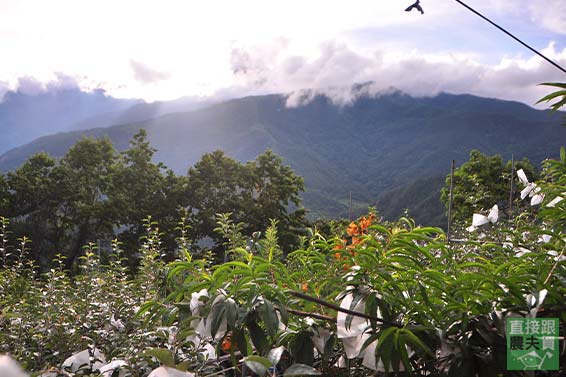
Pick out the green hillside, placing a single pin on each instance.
(370, 147)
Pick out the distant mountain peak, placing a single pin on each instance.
(33, 111)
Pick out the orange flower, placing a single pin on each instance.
(305, 287)
(339, 246)
(353, 229)
(365, 223)
(351, 248)
(346, 267)
(337, 256)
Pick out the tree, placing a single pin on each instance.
(216, 184)
(481, 182)
(277, 190)
(85, 178)
(137, 181)
(92, 194)
(4, 195)
(96, 194)
(31, 184)
(141, 189)
(33, 202)
(254, 193)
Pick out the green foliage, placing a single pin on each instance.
(393, 293)
(432, 308)
(142, 188)
(372, 146)
(32, 199)
(94, 194)
(559, 95)
(426, 296)
(254, 194)
(481, 182)
(47, 318)
(85, 178)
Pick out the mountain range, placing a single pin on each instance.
(391, 150)
(25, 117)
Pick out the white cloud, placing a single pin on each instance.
(30, 85)
(63, 81)
(145, 74)
(163, 50)
(547, 14)
(337, 68)
(551, 14)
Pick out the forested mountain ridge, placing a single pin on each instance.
(420, 197)
(368, 147)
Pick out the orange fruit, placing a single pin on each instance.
(226, 345)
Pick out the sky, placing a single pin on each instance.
(162, 50)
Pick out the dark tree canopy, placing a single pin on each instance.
(481, 182)
(142, 188)
(32, 199)
(254, 193)
(94, 194)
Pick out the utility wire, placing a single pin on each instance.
(511, 35)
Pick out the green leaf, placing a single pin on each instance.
(241, 342)
(385, 335)
(384, 351)
(258, 337)
(357, 297)
(282, 312)
(302, 348)
(556, 84)
(372, 308)
(217, 316)
(145, 307)
(259, 365)
(231, 312)
(301, 370)
(275, 354)
(402, 350)
(552, 95)
(269, 317)
(164, 356)
(386, 346)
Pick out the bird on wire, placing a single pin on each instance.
(416, 6)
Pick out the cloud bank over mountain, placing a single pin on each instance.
(227, 49)
(338, 66)
(31, 86)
